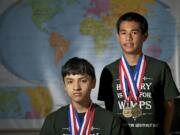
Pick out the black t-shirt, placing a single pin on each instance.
(157, 87)
(104, 123)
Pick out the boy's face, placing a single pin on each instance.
(79, 87)
(130, 37)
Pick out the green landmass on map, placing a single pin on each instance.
(13, 102)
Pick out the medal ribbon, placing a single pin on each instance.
(76, 126)
(131, 80)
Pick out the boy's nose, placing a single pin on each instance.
(76, 86)
(129, 36)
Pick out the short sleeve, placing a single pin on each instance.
(170, 89)
(47, 128)
(105, 89)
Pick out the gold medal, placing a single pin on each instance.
(136, 111)
(127, 112)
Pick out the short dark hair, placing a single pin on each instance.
(77, 65)
(133, 16)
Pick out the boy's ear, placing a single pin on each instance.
(145, 36)
(64, 86)
(117, 36)
(93, 83)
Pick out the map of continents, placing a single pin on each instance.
(37, 37)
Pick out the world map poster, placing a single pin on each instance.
(38, 36)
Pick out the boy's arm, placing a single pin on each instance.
(169, 113)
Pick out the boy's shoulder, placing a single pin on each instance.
(114, 63)
(113, 66)
(101, 109)
(150, 60)
(103, 113)
(63, 111)
(154, 62)
(110, 119)
(58, 114)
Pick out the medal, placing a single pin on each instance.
(136, 111)
(131, 85)
(127, 112)
(76, 126)
(131, 82)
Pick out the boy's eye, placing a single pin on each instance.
(69, 81)
(84, 80)
(122, 32)
(135, 32)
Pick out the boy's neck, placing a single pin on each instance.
(81, 107)
(132, 59)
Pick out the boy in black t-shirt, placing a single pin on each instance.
(137, 87)
(82, 116)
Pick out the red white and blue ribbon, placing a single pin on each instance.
(76, 126)
(131, 81)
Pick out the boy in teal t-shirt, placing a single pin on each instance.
(81, 116)
(137, 87)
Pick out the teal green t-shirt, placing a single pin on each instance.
(104, 123)
(157, 87)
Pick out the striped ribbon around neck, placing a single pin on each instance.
(83, 127)
(131, 81)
